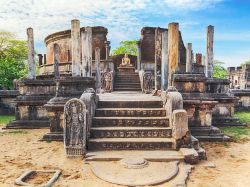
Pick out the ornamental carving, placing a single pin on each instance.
(75, 127)
(107, 82)
(147, 82)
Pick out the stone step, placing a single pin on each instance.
(131, 132)
(27, 124)
(153, 156)
(130, 121)
(129, 104)
(126, 74)
(131, 144)
(127, 83)
(127, 89)
(130, 112)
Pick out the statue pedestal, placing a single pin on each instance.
(126, 69)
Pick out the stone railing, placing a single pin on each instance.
(66, 67)
(178, 118)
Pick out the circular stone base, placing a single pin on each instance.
(154, 173)
(134, 163)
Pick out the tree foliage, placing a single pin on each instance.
(247, 62)
(13, 54)
(126, 47)
(219, 70)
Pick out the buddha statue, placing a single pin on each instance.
(126, 61)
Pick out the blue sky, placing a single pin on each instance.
(125, 18)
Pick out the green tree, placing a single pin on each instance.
(13, 54)
(247, 62)
(126, 47)
(219, 70)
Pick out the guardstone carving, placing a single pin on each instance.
(107, 82)
(75, 127)
(147, 82)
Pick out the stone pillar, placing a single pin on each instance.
(139, 55)
(189, 58)
(210, 51)
(158, 56)
(173, 50)
(198, 58)
(204, 60)
(56, 61)
(98, 72)
(107, 43)
(40, 59)
(44, 59)
(31, 53)
(87, 52)
(76, 53)
(69, 57)
(164, 61)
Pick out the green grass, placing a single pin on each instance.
(244, 117)
(237, 133)
(6, 119)
(13, 132)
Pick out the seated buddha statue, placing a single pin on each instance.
(126, 61)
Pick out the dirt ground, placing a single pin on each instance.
(20, 152)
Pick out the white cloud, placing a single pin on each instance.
(123, 18)
(191, 4)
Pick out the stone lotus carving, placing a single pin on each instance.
(147, 82)
(107, 81)
(75, 127)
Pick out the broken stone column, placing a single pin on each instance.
(87, 52)
(173, 50)
(98, 72)
(210, 51)
(107, 43)
(31, 53)
(164, 62)
(44, 59)
(158, 56)
(139, 55)
(189, 58)
(40, 59)
(198, 58)
(76, 53)
(56, 61)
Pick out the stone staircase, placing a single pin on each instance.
(126, 81)
(130, 125)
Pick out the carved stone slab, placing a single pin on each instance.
(107, 82)
(75, 127)
(180, 124)
(147, 82)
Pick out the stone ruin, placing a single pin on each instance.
(96, 102)
(40, 102)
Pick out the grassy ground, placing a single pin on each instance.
(239, 133)
(6, 119)
(244, 117)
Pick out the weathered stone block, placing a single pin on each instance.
(75, 130)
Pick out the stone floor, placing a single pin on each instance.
(128, 96)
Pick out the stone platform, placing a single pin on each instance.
(126, 69)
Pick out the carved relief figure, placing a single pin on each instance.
(147, 82)
(75, 127)
(107, 81)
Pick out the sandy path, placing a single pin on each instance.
(20, 152)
